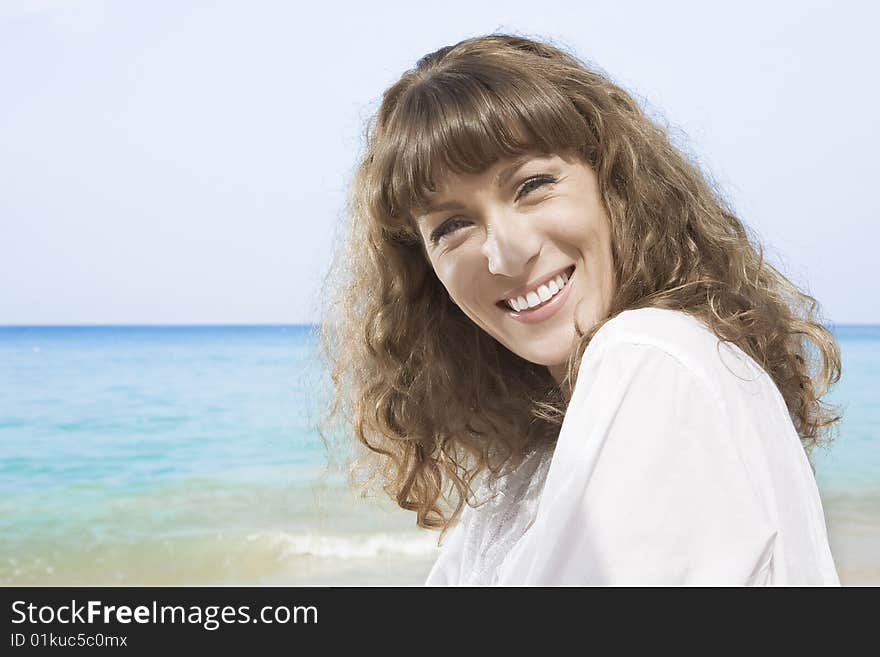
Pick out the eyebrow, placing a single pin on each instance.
(500, 180)
(505, 174)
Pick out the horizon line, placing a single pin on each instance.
(180, 325)
(285, 325)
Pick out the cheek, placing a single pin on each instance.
(589, 234)
(462, 277)
(456, 274)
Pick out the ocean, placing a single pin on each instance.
(189, 456)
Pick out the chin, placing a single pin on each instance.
(552, 355)
(545, 359)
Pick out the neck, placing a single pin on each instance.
(557, 372)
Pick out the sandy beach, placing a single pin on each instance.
(854, 535)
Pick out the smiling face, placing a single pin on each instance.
(524, 249)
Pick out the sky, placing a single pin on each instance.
(174, 162)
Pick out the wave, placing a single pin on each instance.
(350, 546)
(197, 559)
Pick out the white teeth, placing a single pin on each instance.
(544, 293)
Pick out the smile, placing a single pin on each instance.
(540, 300)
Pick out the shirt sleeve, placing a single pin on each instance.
(646, 486)
(446, 570)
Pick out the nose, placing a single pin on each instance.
(510, 244)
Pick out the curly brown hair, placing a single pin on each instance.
(437, 401)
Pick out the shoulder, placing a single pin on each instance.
(673, 331)
(679, 340)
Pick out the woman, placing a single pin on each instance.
(556, 340)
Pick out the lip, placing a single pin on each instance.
(547, 310)
(533, 285)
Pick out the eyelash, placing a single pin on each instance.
(445, 227)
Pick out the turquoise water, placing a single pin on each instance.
(173, 455)
(851, 466)
(165, 455)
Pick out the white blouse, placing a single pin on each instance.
(677, 464)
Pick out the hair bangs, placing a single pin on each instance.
(463, 121)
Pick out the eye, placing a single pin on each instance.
(454, 223)
(534, 183)
(449, 226)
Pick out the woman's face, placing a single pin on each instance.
(524, 249)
